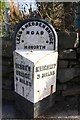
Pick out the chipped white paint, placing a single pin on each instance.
(35, 73)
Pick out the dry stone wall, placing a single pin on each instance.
(68, 77)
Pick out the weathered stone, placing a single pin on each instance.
(78, 50)
(61, 87)
(73, 90)
(67, 74)
(75, 80)
(7, 62)
(62, 63)
(7, 82)
(79, 61)
(67, 54)
(6, 70)
(72, 63)
(8, 95)
(66, 40)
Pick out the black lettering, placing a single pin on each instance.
(22, 41)
(17, 78)
(18, 39)
(41, 32)
(50, 35)
(34, 47)
(22, 74)
(22, 81)
(38, 76)
(32, 32)
(45, 67)
(27, 83)
(48, 74)
(29, 69)
(43, 26)
(33, 23)
(47, 41)
(47, 29)
(43, 47)
(40, 24)
(36, 23)
(27, 76)
(37, 69)
(26, 67)
(25, 47)
(51, 42)
(29, 24)
(16, 65)
(20, 32)
(22, 28)
(37, 47)
(17, 73)
(18, 42)
(31, 47)
(37, 33)
(20, 66)
(40, 46)
(27, 32)
(26, 26)
(19, 35)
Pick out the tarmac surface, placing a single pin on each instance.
(64, 108)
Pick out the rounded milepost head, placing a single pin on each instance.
(35, 34)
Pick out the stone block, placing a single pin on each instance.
(73, 63)
(61, 87)
(67, 74)
(66, 40)
(67, 54)
(73, 90)
(62, 63)
(78, 51)
(8, 95)
(7, 84)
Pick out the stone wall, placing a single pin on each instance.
(68, 82)
(68, 66)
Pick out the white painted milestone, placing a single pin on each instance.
(35, 60)
(35, 77)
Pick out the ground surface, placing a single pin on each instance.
(67, 108)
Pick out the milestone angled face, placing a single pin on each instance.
(36, 34)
